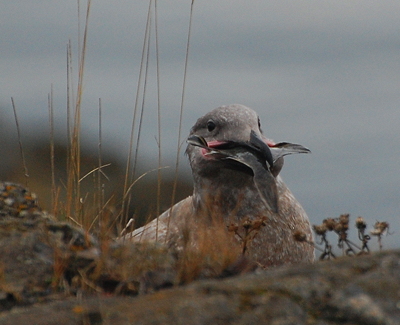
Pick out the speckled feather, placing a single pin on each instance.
(229, 195)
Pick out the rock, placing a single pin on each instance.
(54, 273)
(356, 290)
(35, 249)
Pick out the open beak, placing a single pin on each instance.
(198, 141)
(232, 149)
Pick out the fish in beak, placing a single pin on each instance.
(254, 155)
(263, 160)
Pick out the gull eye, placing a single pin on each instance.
(210, 126)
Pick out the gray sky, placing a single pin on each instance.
(325, 74)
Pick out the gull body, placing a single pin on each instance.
(234, 183)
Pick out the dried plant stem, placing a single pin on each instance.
(100, 192)
(380, 242)
(124, 209)
(53, 175)
(146, 73)
(69, 138)
(101, 212)
(98, 169)
(178, 149)
(26, 174)
(137, 179)
(73, 184)
(158, 119)
(127, 195)
(79, 29)
(69, 97)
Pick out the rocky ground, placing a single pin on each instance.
(54, 273)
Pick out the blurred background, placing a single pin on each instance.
(325, 74)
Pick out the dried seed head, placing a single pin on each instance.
(330, 223)
(320, 229)
(379, 228)
(246, 224)
(339, 227)
(233, 227)
(375, 232)
(258, 223)
(344, 219)
(360, 223)
(300, 236)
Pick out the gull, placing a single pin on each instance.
(237, 182)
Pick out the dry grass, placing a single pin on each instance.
(208, 251)
(93, 212)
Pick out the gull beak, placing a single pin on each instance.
(255, 155)
(198, 141)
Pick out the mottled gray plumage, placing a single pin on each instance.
(237, 183)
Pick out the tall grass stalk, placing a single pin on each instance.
(178, 149)
(146, 74)
(128, 176)
(158, 118)
(26, 174)
(70, 97)
(74, 204)
(100, 190)
(53, 176)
